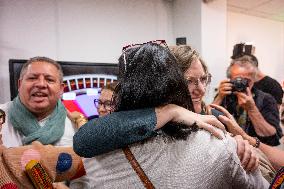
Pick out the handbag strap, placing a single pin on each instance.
(139, 171)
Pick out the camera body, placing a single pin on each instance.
(239, 84)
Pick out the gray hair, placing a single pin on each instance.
(242, 61)
(185, 55)
(41, 59)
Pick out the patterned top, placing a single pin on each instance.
(201, 161)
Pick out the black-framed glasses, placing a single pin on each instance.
(106, 104)
(204, 80)
(158, 42)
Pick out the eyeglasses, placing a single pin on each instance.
(106, 104)
(204, 80)
(158, 42)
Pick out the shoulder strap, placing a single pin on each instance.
(139, 171)
(278, 180)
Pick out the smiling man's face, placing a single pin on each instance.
(40, 88)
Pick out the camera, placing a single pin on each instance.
(239, 84)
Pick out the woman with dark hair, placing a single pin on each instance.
(179, 156)
(149, 78)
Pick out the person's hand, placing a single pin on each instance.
(225, 88)
(245, 100)
(77, 118)
(206, 122)
(210, 123)
(73, 115)
(246, 154)
(228, 119)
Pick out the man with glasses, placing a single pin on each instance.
(255, 111)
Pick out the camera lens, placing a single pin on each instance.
(239, 84)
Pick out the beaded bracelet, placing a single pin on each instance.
(257, 142)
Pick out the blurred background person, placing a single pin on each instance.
(262, 82)
(37, 112)
(104, 103)
(255, 111)
(275, 155)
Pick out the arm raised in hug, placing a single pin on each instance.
(120, 129)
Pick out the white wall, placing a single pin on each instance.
(95, 31)
(77, 30)
(267, 36)
(213, 42)
(204, 26)
(187, 21)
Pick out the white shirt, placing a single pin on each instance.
(13, 138)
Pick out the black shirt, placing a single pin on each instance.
(266, 105)
(270, 86)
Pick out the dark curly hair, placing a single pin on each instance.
(151, 78)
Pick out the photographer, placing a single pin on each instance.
(255, 111)
(262, 82)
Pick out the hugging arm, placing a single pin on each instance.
(120, 129)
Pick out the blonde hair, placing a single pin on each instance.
(243, 61)
(185, 55)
